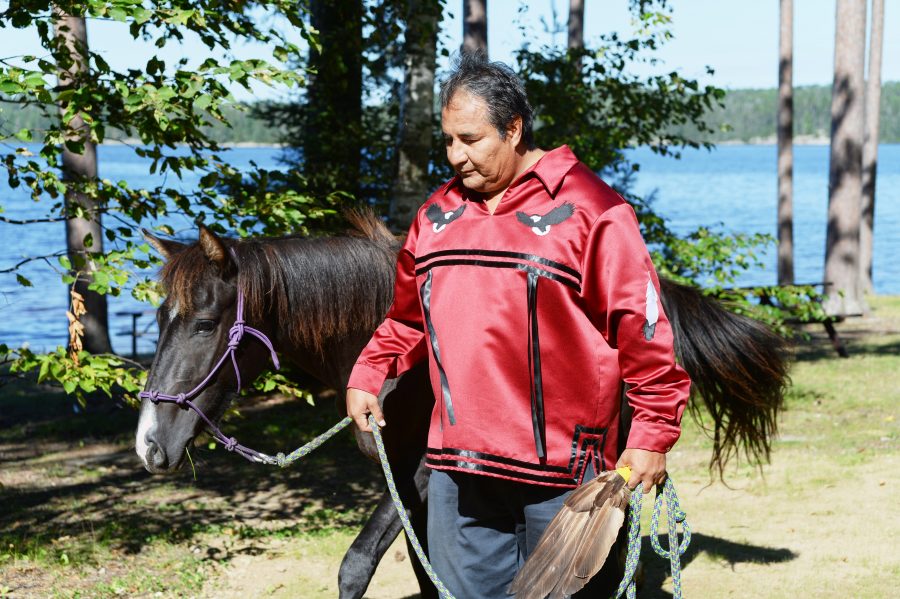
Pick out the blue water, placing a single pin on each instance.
(734, 186)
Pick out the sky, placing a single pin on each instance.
(737, 38)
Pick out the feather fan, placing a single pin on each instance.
(577, 541)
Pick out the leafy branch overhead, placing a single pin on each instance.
(163, 112)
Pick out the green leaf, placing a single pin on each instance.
(69, 386)
(23, 281)
(24, 135)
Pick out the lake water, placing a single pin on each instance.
(734, 186)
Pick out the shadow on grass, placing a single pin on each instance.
(860, 339)
(656, 569)
(76, 476)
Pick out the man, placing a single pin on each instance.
(526, 282)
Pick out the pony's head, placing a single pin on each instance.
(201, 285)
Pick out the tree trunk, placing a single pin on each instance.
(576, 24)
(333, 116)
(845, 172)
(84, 236)
(870, 147)
(416, 111)
(475, 26)
(786, 145)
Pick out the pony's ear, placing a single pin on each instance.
(166, 247)
(213, 247)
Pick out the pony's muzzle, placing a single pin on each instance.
(155, 459)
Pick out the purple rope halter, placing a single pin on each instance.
(183, 400)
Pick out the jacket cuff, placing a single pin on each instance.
(366, 378)
(652, 436)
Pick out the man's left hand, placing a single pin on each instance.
(647, 467)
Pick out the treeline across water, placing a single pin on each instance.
(245, 125)
(748, 116)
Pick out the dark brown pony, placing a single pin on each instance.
(320, 299)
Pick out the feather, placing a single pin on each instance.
(577, 541)
(651, 310)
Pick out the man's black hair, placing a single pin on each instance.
(497, 85)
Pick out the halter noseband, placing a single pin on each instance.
(183, 400)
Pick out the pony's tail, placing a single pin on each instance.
(738, 367)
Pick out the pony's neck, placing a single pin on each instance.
(321, 298)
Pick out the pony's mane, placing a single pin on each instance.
(314, 287)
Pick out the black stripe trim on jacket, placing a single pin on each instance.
(497, 264)
(582, 438)
(503, 254)
(534, 365)
(477, 455)
(501, 471)
(432, 334)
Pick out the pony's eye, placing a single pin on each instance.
(205, 326)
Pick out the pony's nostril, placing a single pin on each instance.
(156, 457)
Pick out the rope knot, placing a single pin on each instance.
(235, 333)
(180, 400)
(230, 444)
(153, 396)
(281, 460)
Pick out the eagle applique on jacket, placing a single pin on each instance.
(533, 318)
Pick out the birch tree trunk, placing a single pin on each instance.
(475, 26)
(870, 147)
(786, 145)
(416, 111)
(845, 171)
(84, 234)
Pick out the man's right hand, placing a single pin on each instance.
(359, 405)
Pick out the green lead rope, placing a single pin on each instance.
(627, 587)
(675, 516)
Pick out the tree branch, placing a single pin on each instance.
(32, 259)
(13, 221)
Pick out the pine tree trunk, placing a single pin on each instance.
(84, 235)
(870, 147)
(333, 116)
(416, 111)
(786, 145)
(576, 24)
(845, 173)
(475, 26)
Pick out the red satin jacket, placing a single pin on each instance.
(531, 319)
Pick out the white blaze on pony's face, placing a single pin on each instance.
(146, 423)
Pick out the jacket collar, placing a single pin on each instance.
(550, 170)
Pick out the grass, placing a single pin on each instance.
(80, 518)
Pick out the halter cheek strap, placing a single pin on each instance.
(183, 400)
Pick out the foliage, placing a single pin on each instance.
(170, 109)
(591, 100)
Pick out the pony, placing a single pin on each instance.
(319, 299)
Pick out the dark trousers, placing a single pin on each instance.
(481, 529)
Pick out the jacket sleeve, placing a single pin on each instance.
(621, 291)
(398, 343)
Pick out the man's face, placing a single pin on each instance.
(485, 162)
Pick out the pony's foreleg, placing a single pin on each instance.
(367, 549)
